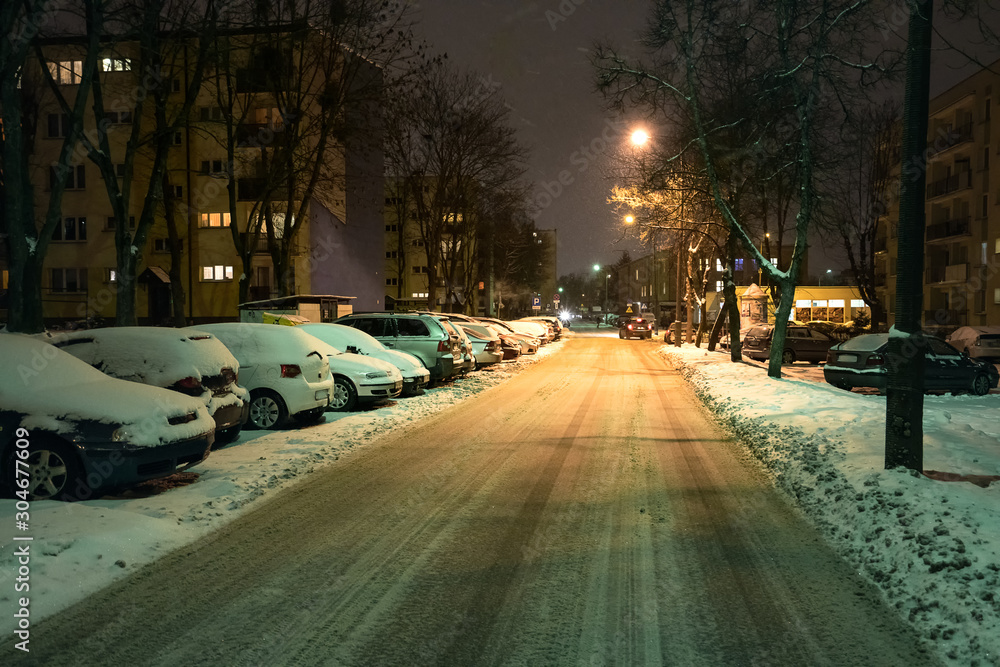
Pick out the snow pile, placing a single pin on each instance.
(932, 547)
(79, 548)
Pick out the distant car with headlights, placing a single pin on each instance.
(802, 343)
(351, 340)
(978, 342)
(192, 362)
(861, 362)
(282, 367)
(635, 327)
(69, 432)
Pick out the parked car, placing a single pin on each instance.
(420, 335)
(861, 362)
(282, 367)
(79, 432)
(529, 344)
(802, 343)
(635, 327)
(541, 331)
(351, 340)
(978, 342)
(359, 380)
(192, 362)
(464, 344)
(485, 344)
(552, 320)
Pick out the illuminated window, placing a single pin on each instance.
(858, 303)
(836, 303)
(718, 285)
(803, 303)
(819, 304)
(215, 219)
(217, 273)
(66, 72)
(718, 265)
(116, 64)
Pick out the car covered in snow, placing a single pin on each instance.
(861, 362)
(282, 367)
(977, 342)
(68, 431)
(357, 379)
(192, 362)
(351, 340)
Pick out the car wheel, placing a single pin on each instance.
(620, 334)
(310, 416)
(226, 436)
(267, 410)
(980, 385)
(788, 357)
(54, 472)
(345, 396)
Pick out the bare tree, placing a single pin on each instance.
(450, 147)
(21, 95)
(800, 55)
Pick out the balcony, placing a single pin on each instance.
(960, 181)
(949, 138)
(254, 135)
(261, 246)
(948, 229)
(953, 273)
(250, 189)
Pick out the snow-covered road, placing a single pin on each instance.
(586, 511)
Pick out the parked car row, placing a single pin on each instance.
(96, 410)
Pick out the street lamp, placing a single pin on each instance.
(640, 137)
(828, 272)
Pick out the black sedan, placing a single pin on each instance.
(635, 327)
(861, 362)
(68, 431)
(802, 343)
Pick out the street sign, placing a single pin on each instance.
(536, 303)
(628, 309)
(555, 297)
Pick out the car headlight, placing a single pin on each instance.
(121, 434)
(374, 375)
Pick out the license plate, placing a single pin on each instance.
(847, 358)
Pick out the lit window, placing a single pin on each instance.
(66, 72)
(836, 303)
(718, 265)
(858, 303)
(216, 273)
(718, 285)
(803, 303)
(738, 264)
(116, 64)
(819, 304)
(215, 219)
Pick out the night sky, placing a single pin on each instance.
(538, 52)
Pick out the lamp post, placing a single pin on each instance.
(828, 272)
(765, 243)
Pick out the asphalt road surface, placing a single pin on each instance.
(588, 512)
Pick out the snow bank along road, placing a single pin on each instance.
(587, 512)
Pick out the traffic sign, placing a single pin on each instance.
(628, 309)
(555, 297)
(536, 303)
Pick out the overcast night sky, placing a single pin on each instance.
(538, 52)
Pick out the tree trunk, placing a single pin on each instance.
(904, 408)
(177, 299)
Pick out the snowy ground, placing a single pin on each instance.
(933, 547)
(123, 533)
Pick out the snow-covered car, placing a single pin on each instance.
(192, 362)
(68, 431)
(861, 362)
(551, 320)
(539, 330)
(358, 379)
(529, 344)
(351, 340)
(486, 344)
(977, 342)
(282, 367)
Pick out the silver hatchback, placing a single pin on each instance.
(421, 335)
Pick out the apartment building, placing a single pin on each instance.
(962, 235)
(337, 250)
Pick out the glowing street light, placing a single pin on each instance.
(640, 137)
(629, 219)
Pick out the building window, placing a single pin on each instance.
(178, 139)
(111, 223)
(420, 295)
(69, 280)
(116, 64)
(391, 254)
(996, 248)
(420, 269)
(175, 85)
(391, 282)
(391, 228)
(162, 245)
(119, 117)
(58, 125)
(718, 265)
(66, 72)
(213, 167)
(418, 243)
(120, 170)
(110, 275)
(858, 303)
(718, 285)
(71, 229)
(215, 219)
(76, 180)
(738, 264)
(211, 113)
(176, 191)
(217, 273)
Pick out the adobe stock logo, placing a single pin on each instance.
(581, 158)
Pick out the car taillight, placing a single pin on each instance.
(875, 360)
(630, 327)
(830, 357)
(290, 371)
(188, 383)
(443, 346)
